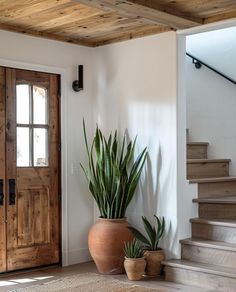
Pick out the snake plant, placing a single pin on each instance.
(154, 233)
(112, 175)
(133, 249)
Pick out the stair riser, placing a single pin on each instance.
(207, 169)
(214, 232)
(214, 189)
(217, 211)
(208, 255)
(200, 279)
(196, 151)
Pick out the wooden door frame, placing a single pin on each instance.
(63, 208)
(3, 237)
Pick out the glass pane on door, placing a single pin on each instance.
(22, 103)
(40, 147)
(40, 105)
(23, 148)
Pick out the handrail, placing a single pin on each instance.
(198, 63)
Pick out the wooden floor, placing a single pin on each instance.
(28, 278)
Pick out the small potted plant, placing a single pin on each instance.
(154, 255)
(134, 260)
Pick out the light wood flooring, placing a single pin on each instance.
(28, 278)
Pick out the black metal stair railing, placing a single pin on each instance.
(198, 64)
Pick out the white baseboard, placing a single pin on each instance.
(73, 257)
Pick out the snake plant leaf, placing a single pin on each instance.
(122, 151)
(151, 232)
(97, 142)
(85, 172)
(163, 226)
(154, 233)
(126, 159)
(131, 151)
(85, 138)
(160, 226)
(112, 175)
(135, 175)
(109, 141)
(138, 235)
(114, 147)
(138, 161)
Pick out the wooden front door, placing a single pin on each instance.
(29, 169)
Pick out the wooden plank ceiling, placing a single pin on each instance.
(99, 22)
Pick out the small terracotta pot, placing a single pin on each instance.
(106, 243)
(134, 268)
(154, 259)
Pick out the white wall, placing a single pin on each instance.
(130, 85)
(44, 55)
(137, 91)
(211, 100)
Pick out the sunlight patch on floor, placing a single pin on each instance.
(23, 280)
(6, 283)
(43, 278)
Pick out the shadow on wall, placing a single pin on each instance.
(146, 202)
(148, 189)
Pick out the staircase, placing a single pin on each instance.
(208, 259)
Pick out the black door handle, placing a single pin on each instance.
(1, 192)
(12, 192)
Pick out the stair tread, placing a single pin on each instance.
(212, 179)
(200, 267)
(221, 222)
(198, 143)
(206, 160)
(209, 243)
(217, 200)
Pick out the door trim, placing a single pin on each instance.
(3, 234)
(64, 242)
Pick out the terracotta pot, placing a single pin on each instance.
(134, 268)
(106, 242)
(154, 259)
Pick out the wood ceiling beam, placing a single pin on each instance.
(151, 14)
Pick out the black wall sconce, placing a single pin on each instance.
(78, 85)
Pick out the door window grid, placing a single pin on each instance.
(36, 148)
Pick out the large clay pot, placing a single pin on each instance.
(134, 268)
(154, 259)
(106, 242)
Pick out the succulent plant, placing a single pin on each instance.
(133, 249)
